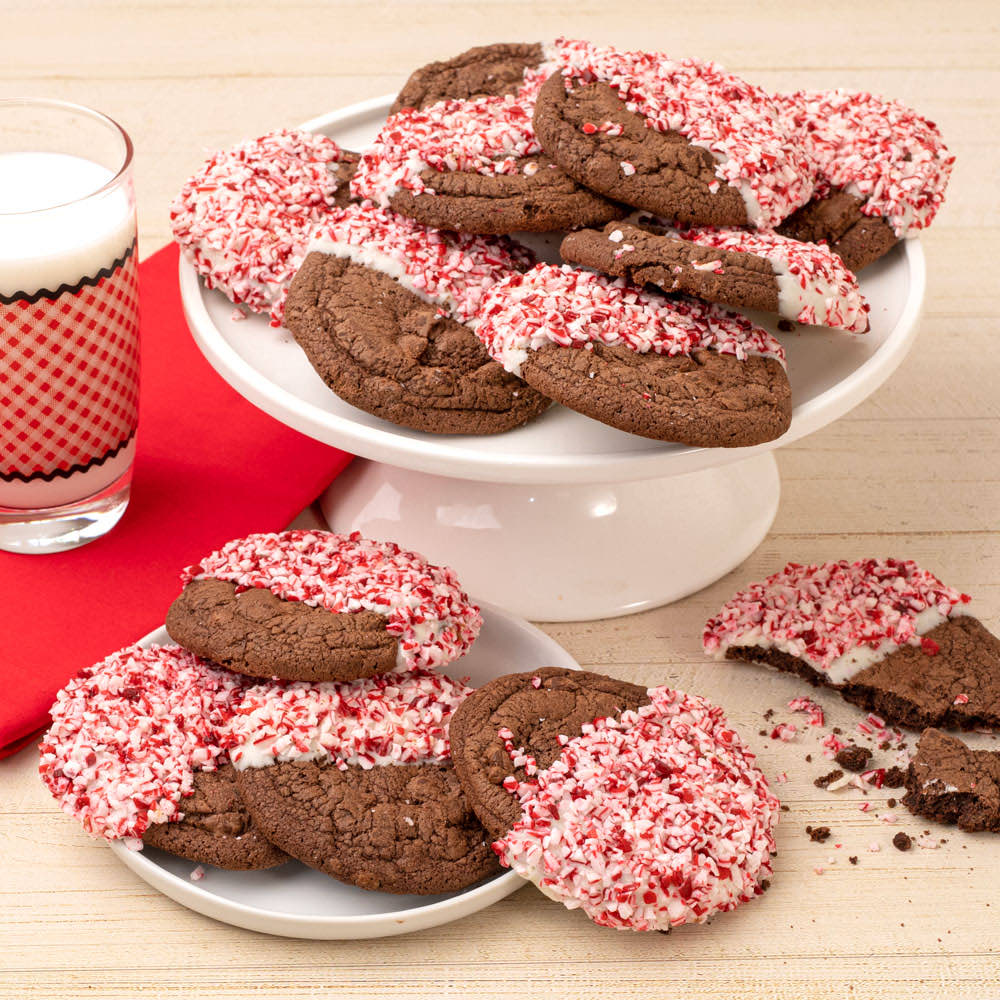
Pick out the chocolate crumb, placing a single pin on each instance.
(902, 842)
(762, 732)
(828, 779)
(769, 714)
(818, 834)
(853, 859)
(837, 730)
(784, 809)
(891, 803)
(809, 758)
(895, 777)
(853, 758)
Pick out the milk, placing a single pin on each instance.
(49, 242)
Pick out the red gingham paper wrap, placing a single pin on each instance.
(69, 374)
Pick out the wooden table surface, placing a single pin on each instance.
(912, 472)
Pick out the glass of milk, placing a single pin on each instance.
(69, 325)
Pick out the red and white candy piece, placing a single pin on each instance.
(431, 616)
(245, 218)
(452, 270)
(756, 149)
(654, 820)
(384, 720)
(814, 286)
(876, 149)
(128, 734)
(573, 308)
(838, 617)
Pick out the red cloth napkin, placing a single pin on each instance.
(209, 467)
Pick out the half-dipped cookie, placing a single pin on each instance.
(673, 370)
(135, 751)
(244, 219)
(382, 306)
(640, 807)
(745, 268)
(315, 606)
(886, 634)
(355, 781)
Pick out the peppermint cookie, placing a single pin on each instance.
(949, 783)
(683, 139)
(673, 370)
(461, 152)
(642, 808)
(748, 269)
(354, 780)
(135, 751)
(382, 307)
(881, 171)
(886, 634)
(313, 605)
(244, 219)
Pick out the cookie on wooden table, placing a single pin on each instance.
(381, 308)
(881, 171)
(949, 783)
(683, 139)
(886, 634)
(673, 370)
(244, 219)
(354, 780)
(314, 605)
(641, 807)
(135, 750)
(744, 268)
(460, 151)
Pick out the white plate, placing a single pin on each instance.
(830, 373)
(296, 901)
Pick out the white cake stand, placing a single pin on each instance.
(565, 519)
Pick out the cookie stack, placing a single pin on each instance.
(304, 715)
(690, 191)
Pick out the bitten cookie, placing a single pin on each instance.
(381, 308)
(949, 783)
(886, 634)
(135, 750)
(880, 169)
(643, 808)
(678, 371)
(461, 153)
(354, 780)
(244, 219)
(734, 267)
(685, 139)
(314, 605)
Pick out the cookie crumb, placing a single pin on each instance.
(853, 859)
(902, 842)
(853, 758)
(827, 779)
(895, 777)
(818, 834)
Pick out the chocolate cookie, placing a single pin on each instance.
(884, 633)
(735, 267)
(640, 807)
(561, 702)
(483, 71)
(836, 219)
(949, 783)
(404, 829)
(381, 308)
(313, 605)
(245, 218)
(459, 151)
(670, 370)
(216, 828)
(684, 140)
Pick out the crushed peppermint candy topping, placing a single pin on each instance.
(388, 719)
(427, 610)
(572, 308)
(451, 269)
(756, 148)
(878, 150)
(128, 734)
(811, 708)
(838, 617)
(814, 286)
(245, 218)
(647, 822)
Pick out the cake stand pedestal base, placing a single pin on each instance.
(567, 553)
